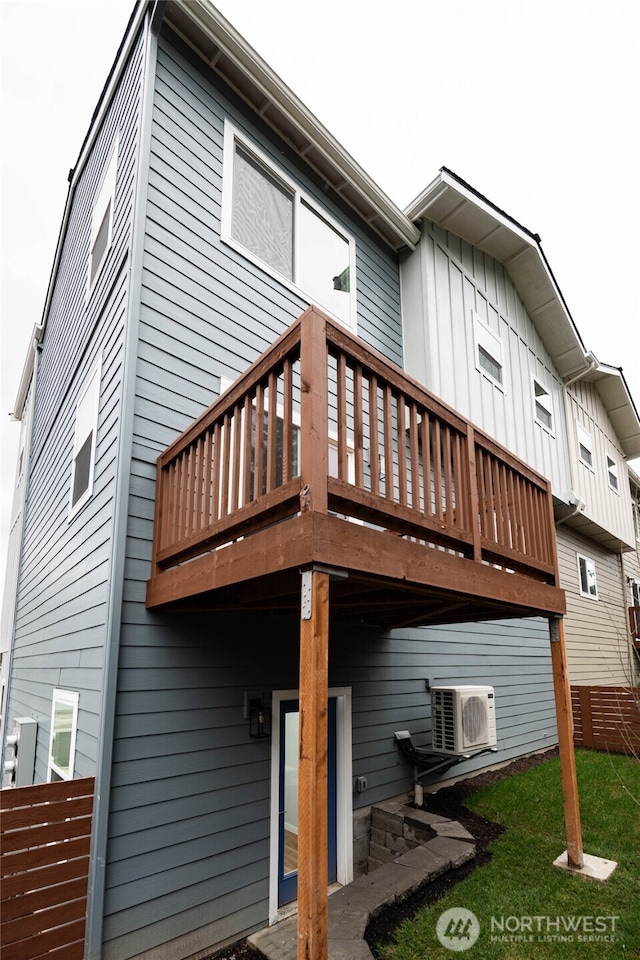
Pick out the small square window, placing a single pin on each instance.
(62, 743)
(585, 447)
(587, 575)
(543, 405)
(612, 474)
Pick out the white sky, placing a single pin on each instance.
(535, 104)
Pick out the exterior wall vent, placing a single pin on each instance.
(463, 719)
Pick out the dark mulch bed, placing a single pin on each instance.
(448, 802)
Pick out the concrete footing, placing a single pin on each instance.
(593, 868)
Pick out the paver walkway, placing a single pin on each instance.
(448, 845)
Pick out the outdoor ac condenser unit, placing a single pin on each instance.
(463, 719)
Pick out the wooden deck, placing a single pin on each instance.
(325, 453)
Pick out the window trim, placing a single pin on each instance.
(485, 339)
(70, 698)
(583, 439)
(545, 400)
(233, 135)
(104, 201)
(612, 471)
(588, 562)
(89, 393)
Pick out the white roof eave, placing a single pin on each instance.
(287, 114)
(454, 206)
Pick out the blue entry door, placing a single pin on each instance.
(288, 799)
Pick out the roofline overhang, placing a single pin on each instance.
(614, 391)
(375, 207)
(453, 204)
(227, 52)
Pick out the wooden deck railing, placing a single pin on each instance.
(322, 422)
(45, 835)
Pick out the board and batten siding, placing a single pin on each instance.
(598, 650)
(443, 283)
(188, 848)
(62, 591)
(610, 509)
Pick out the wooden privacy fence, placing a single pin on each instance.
(607, 718)
(44, 843)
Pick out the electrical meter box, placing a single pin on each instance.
(21, 752)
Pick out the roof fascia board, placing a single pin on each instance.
(220, 32)
(447, 181)
(444, 181)
(622, 399)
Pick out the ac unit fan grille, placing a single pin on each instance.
(474, 721)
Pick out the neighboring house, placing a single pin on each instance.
(631, 568)
(156, 620)
(597, 536)
(487, 329)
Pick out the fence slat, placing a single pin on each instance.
(607, 718)
(45, 841)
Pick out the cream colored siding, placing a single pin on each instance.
(608, 508)
(596, 631)
(445, 284)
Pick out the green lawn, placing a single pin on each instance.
(519, 894)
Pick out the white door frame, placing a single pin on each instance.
(344, 792)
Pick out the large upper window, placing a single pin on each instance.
(62, 744)
(542, 404)
(84, 444)
(102, 218)
(269, 219)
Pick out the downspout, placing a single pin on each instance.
(591, 366)
(36, 348)
(630, 665)
(99, 833)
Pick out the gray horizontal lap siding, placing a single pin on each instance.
(182, 754)
(190, 800)
(63, 581)
(388, 675)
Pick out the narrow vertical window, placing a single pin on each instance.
(102, 218)
(489, 359)
(585, 447)
(587, 576)
(612, 474)
(62, 743)
(543, 405)
(84, 444)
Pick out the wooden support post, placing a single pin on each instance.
(562, 693)
(313, 906)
